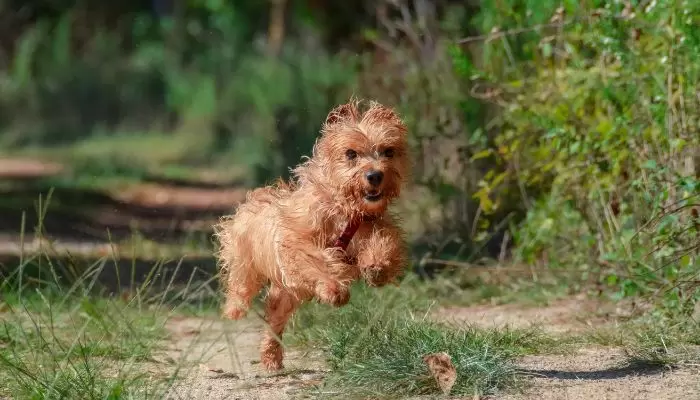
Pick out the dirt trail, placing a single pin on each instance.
(600, 373)
(224, 355)
(571, 315)
(589, 373)
(221, 361)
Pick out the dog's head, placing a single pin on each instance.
(363, 155)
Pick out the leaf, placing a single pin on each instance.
(441, 368)
(370, 34)
(649, 164)
(481, 154)
(484, 201)
(611, 280)
(499, 179)
(685, 260)
(547, 50)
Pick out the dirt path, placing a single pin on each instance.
(224, 357)
(570, 315)
(590, 372)
(600, 373)
(222, 361)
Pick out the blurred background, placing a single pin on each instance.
(553, 135)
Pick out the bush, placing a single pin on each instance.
(194, 76)
(597, 119)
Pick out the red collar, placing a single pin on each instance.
(344, 240)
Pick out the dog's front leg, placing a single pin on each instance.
(315, 271)
(381, 254)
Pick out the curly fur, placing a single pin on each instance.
(283, 234)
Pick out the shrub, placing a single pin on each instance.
(597, 119)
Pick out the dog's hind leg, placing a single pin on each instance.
(279, 307)
(242, 284)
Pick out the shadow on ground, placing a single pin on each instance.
(160, 213)
(608, 373)
(111, 275)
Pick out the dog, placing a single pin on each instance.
(327, 227)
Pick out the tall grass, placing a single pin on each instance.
(65, 336)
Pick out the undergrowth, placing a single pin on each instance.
(71, 336)
(71, 346)
(375, 344)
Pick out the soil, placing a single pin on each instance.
(569, 315)
(24, 168)
(600, 373)
(589, 373)
(86, 221)
(223, 359)
(229, 368)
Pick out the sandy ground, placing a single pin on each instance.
(26, 168)
(570, 315)
(590, 373)
(600, 373)
(223, 358)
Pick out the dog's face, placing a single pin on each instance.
(364, 155)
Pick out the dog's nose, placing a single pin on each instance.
(374, 177)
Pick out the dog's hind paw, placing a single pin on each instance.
(235, 311)
(271, 355)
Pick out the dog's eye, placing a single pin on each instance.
(389, 153)
(351, 154)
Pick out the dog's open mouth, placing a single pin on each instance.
(374, 195)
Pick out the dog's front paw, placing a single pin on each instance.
(333, 293)
(376, 275)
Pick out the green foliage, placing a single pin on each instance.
(569, 127)
(597, 118)
(199, 76)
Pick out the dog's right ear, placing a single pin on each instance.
(343, 112)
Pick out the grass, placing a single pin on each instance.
(652, 339)
(65, 339)
(374, 346)
(62, 337)
(76, 347)
(60, 345)
(59, 341)
(497, 285)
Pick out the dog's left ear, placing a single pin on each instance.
(343, 112)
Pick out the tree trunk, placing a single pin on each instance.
(275, 33)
